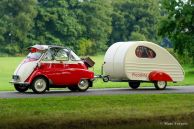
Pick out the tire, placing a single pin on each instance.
(134, 85)
(105, 79)
(160, 85)
(84, 84)
(72, 88)
(20, 88)
(39, 85)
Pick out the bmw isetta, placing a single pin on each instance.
(48, 66)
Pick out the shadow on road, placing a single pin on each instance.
(143, 89)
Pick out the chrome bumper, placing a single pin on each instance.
(93, 79)
(22, 83)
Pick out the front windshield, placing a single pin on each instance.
(34, 55)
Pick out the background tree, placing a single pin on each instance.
(95, 16)
(16, 21)
(133, 19)
(178, 24)
(70, 23)
(85, 47)
(56, 24)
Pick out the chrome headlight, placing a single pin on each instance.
(15, 77)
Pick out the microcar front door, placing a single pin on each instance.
(61, 72)
(54, 66)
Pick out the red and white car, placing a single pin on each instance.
(52, 67)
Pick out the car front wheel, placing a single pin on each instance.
(39, 85)
(20, 88)
(160, 85)
(84, 84)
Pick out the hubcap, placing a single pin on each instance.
(161, 84)
(40, 85)
(83, 84)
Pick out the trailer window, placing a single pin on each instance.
(144, 52)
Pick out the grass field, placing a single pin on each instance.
(8, 65)
(98, 111)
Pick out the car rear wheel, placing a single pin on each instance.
(160, 85)
(39, 85)
(84, 84)
(20, 88)
(72, 88)
(134, 85)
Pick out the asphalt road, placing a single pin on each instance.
(106, 91)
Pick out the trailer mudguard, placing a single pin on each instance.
(159, 76)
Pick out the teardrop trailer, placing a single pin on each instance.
(141, 61)
(133, 62)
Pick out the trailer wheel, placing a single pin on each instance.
(39, 85)
(134, 85)
(105, 79)
(72, 88)
(84, 84)
(20, 88)
(160, 85)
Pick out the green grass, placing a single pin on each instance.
(83, 111)
(100, 112)
(9, 64)
(7, 67)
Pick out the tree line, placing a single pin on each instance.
(90, 26)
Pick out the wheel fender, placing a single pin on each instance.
(35, 75)
(159, 76)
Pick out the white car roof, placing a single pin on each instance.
(45, 47)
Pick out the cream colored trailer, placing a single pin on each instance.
(141, 61)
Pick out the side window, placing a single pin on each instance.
(144, 52)
(48, 56)
(74, 57)
(61, 55)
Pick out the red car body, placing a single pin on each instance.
(60, 74)
(52, 67)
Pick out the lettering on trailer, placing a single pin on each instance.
(138, 75)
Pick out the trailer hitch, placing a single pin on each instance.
(105, 78)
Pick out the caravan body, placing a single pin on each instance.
(141, 61)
